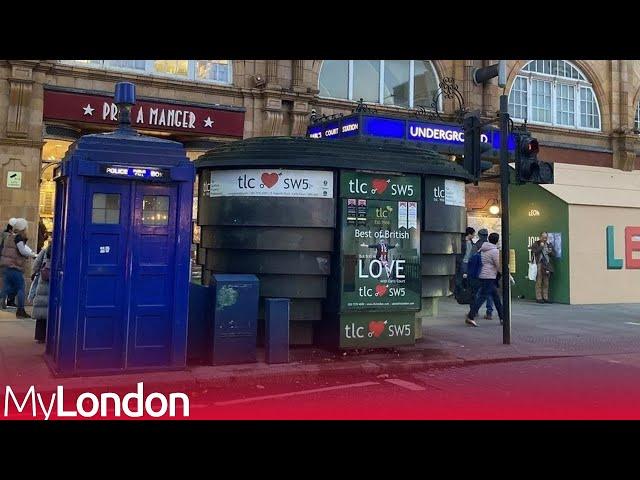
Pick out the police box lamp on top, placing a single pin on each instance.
(125, 98)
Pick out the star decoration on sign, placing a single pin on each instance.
(88, 110)
(208, 122)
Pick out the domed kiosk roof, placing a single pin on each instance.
(367, 153)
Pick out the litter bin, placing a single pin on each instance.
(234, 314)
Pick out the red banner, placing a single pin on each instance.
(78, 107)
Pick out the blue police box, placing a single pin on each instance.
(120, 260)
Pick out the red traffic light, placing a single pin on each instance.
(529, 146)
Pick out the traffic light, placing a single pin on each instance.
(472, 161)
(528, 168)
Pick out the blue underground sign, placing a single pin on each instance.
(413, 130)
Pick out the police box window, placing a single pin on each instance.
(155, 210)
(106, 208)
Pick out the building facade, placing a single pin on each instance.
(582, 111)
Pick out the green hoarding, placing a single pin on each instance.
(380, 267)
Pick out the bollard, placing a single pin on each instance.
(276, 338)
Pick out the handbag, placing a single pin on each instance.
(533, 272)
(45, 272)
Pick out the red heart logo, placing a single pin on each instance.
(376, 328)
(380, 184)
(381, 290)
(269, 179)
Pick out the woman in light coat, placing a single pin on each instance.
(41, 300)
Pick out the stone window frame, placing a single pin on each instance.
(565, 74)
(149, 69)
(381, 85)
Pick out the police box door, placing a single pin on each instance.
(102, 316)
(126, 296)
(151, 303)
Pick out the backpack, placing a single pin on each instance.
(474, 267)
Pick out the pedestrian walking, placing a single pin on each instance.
(488, 275)
(15, 253)
(483, 233)
(543, 252)
(42, 268)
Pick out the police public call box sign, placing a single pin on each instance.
(144, 173)
(381, 272)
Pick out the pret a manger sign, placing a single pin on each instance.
(88, 107)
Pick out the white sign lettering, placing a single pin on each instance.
(271, 183)
(161, 117)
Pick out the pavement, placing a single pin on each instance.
(538, 332)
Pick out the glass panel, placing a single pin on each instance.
(112, 216)
(155, 210)
(97, 215)
(541, 101)
(334, 79)
(565, 105)
(172, 67)
(134, 64)
(99, 200)
(396, 82)
(216, 70)
(425, 83)
(589, 117)
(518, 98)
(366, 80)
(105, 208)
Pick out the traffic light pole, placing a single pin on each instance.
(504, 187)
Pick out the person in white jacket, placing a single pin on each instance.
(488, 287)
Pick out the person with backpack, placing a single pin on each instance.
(486, 265)
(42, 268)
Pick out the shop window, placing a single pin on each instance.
(52, 152)
(556, 93)
(106, 208)
(401, 83)
(172, 67)
(155, 210)
(214, 70)
(133, 64)
(396, 82)
(334, 79)
(209, 71)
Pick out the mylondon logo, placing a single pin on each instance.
(88, 405)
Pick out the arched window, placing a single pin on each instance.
(554, 92)
(214, 71)
(401, 83)
(636, 122)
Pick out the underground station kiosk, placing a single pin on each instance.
(356, 225)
